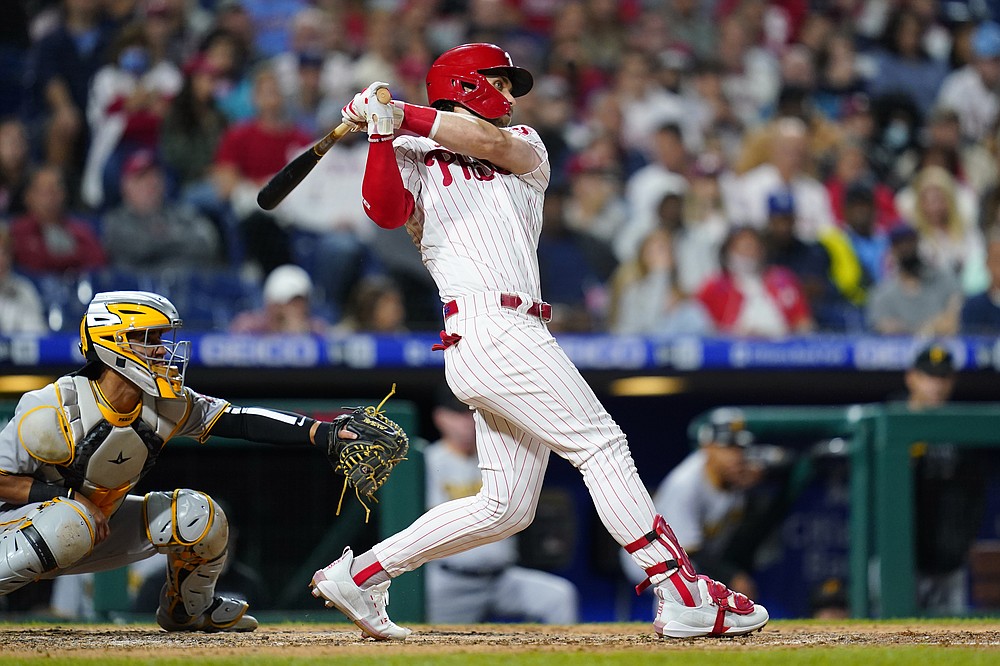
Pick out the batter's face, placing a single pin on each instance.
(503, 84)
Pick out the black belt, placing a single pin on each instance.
(472, 573)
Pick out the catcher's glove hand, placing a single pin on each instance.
(366, 461)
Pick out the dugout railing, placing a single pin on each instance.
(880, 439)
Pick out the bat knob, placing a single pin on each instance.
(383, 95)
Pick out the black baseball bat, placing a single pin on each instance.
(286, 180)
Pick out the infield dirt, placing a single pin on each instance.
(141, 641)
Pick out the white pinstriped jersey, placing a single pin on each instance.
(477, 225)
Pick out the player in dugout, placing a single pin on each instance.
(76, 448)
(469, 188)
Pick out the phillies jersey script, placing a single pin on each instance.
(476, 225)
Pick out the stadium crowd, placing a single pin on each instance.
(735, 167)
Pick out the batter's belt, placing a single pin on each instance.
(538, 309)
(472, 573)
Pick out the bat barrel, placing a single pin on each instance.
(286, 180)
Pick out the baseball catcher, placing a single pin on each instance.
(76, 448)
(365, 460)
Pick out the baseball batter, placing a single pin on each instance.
(76, 448)
(469, 188)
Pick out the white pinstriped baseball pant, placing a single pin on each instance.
(530, 399)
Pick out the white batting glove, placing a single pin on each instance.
(380, 116)
(353, 113)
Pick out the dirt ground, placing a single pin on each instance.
(140, 641)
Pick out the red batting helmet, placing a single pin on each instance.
(458, 76)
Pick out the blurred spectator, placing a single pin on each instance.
(194, 124)
(902, 63)
(568, 59)
(147, 232)
(248, 155)
(378, 61)
(706, 222)
(20, 304)
(311, 79)
(750, 298)
(375, 306)
(174, 26)
(709, 105)
(869, 241)
(646, 298)
(129, 98)
(595, 206)
(551, 116)
(230, 52)
(690, 26)
(851, 166)
(812, 265)
(46, 239)
(981, 313)
(310, 109)
(894, 149)
(786, 169)
(840, 76)
(644, 190)
(311, 31)
(332, 238)
(972, 91)
(484, 583)
(917, 298)
(857, 121)
(822, 136)
(57, 82)
(572, 267)
(287, 307)
(950, 238)
(269, 19)
(971, 163)
(604, 39)
(646, 106)
(750, 73)
(15, 162)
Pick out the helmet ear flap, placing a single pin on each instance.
(86, 344)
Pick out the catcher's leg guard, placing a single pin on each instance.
(192, 529)
(54, 535)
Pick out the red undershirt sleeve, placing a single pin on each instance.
(387, 202)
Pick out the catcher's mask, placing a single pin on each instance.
(459, 75)
(134, 334)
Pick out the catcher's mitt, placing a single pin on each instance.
(366, 461)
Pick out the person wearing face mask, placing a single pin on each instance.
(750, 298)
(918, 298)
(129, 98)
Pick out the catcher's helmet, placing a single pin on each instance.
(726, 426)
(133, 333)
(458, 76)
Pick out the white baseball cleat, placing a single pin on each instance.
(366, 608)
(721, 612)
